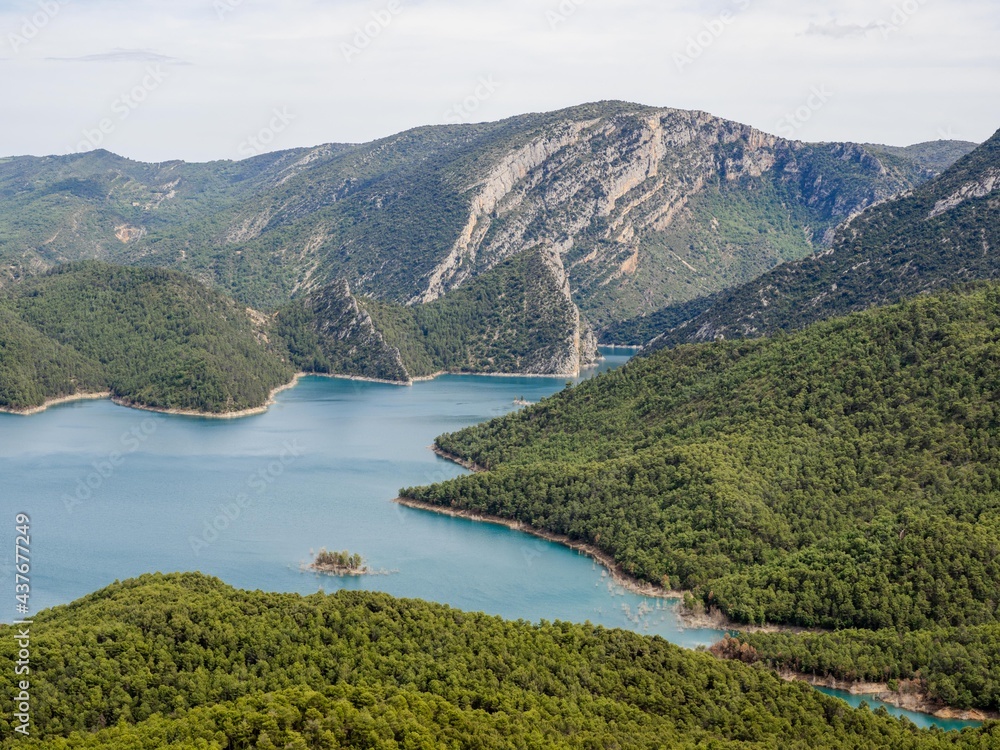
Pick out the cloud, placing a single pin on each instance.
(839, 30)
(941, 62)
(124, 55)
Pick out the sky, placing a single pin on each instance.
(226, 79)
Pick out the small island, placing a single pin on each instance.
(339, 564)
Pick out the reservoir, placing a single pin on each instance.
(114, 493)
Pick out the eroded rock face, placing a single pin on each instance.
(578, 348)
(349, 339)
(645, 206)
(980, 188)
(600, 190)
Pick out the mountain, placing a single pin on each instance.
(160, 339)
(944, 232)
(934, 156)
(184, 661)
(151, 338)
(517, 318)
(643, 207)
(842, 476)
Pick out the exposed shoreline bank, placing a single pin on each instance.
(911, 696)
(708, 620)
(214, 415)
(108, 395)
(712, 619)
(908, 698)
(619, 576)
(31, 411)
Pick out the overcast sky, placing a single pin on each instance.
(222, 79)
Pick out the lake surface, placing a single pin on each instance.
(114, 493)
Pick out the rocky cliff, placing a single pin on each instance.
(639, 207)
(942, 233)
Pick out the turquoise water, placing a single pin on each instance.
(921, 720)
(114, 493)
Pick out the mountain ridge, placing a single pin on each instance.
(622, 191)
(940, 233)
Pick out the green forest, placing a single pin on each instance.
(958, 666)
(841, 477)
(514, 318)
(184, 661)
(160, 339)
(924, 240)
(150, 337)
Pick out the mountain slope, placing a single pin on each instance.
(151, 338)
(935, 156)
(944, 232)
(844, 476)
(645, 206)
(183, 661)
(517, 318)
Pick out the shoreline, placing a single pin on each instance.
(706, 620)
(910, 697)
(711, 619)
(615, 347)
(108, 395)
(550, 376)
(214, 415)
(31, 411)
(619, 576)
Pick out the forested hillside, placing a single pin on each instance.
(150, 337)
(646, 206)
(957, 666)
(844, 476)
(516, 318)
(184, 661)
(944, 232)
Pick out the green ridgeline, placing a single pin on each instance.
(184, 661)
(151, 337)
(917, 243)
(845, 476)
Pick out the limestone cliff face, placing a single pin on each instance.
(576, 348)
(941, 233)
(644, 206)
(517, 319)
(348, 341)
(605, 190)
(979, 188)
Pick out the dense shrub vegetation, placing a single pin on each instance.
(844, 476)
(150, 337)
(184, 661)
(892, 251)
